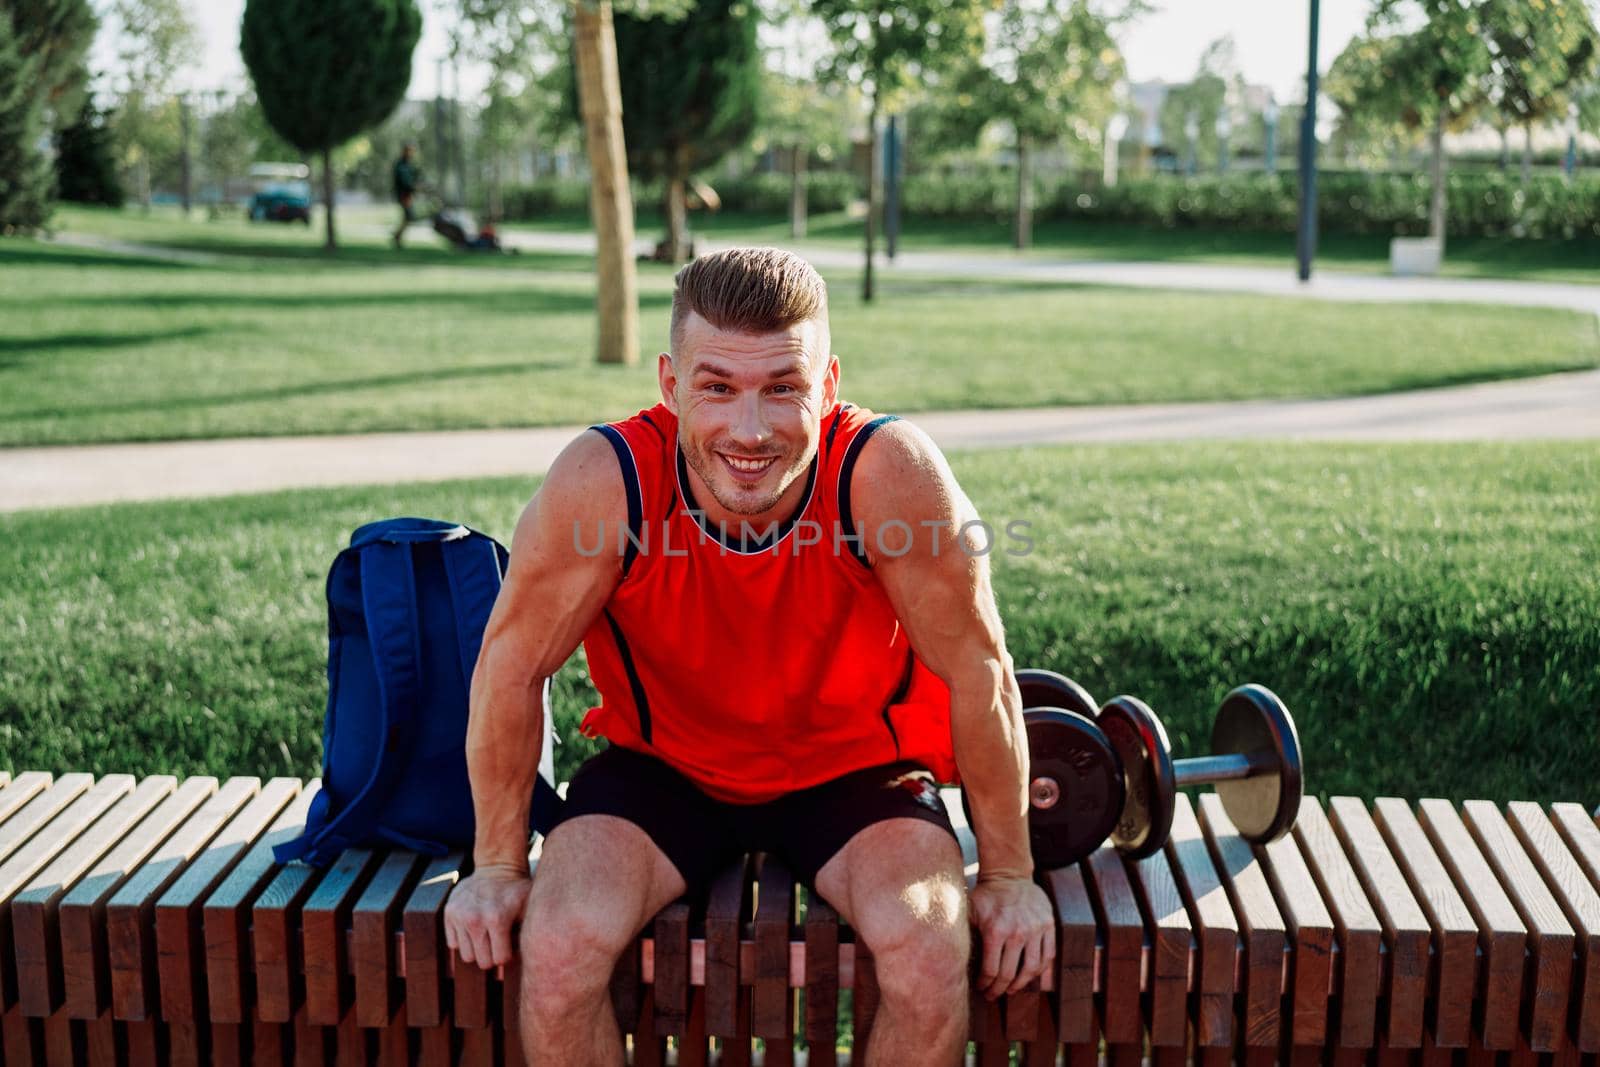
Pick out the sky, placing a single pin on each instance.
(1165, 45)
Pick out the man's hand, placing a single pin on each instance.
(1018, 932)
(481, 912)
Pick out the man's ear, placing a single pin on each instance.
(668, 375)
(830, 383)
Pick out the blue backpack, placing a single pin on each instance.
(407, 606)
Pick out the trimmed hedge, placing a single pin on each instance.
(1479, 204)
(755, 194)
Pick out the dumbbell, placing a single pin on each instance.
(1075, 786)
(1254, 764)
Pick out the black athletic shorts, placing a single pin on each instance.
(701, 835)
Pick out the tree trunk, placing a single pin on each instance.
(676, 209)
(1023, 233)
(1436, 208)
(872, 193)
(1505, 148)
(610, 200)
(797, 191)
(1527, 154)
(329, 243)
(495, 207)
(144, 180)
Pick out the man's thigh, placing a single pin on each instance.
(898, 879)
(662, 809)
(601, 873)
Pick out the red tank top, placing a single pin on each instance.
(754, 667)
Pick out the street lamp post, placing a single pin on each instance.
(1306, 239)
(1270, 152)
(1191, 130)
(1224, 129)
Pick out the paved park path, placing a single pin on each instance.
(1554, 406)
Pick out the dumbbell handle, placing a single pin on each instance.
(1198, 770)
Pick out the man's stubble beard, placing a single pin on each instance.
(709, 468)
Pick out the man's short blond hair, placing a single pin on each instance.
(748, 290)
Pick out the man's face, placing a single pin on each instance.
(750, 409)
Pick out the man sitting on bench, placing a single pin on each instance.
(786, 609)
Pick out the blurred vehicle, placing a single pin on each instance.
(282, 193)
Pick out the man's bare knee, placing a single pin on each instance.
(568, 953)
(922, 967)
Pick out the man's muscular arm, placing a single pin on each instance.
(552, 593)
(941, 594)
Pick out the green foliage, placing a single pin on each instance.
(86, 164)
(1430, 614)
(26, 177)
(885, 45)
(768, 194)
(1481, 204)
(1541, 50)
(325, 70)
(1198, 104)
(55, 35)
(691, 87)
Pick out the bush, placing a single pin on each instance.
(554, 196)
(768, 194)
(1478, 205)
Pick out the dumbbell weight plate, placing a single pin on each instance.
(1075, 790)
(1150, 792)
(1075, 787)
(1047, 689)
(1252, 720)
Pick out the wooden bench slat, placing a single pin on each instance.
(1311, 936)
(274, 941)
(35, 908)
(1579, 902)
(1125, 945)
(822, 972)
(1360, 935)
(372, 928)
(1551, 938)
(130, 932)
(1405, 927)
(1175, 950)
(16, 794)
(672, 970)
(1209, 906)
(1581, 835)
(1501, 933)
(1455, 931)
(38, 806)
(81, 914)
(772, 1014)
(1076, 934)
(1265, 935)
(725, 909)
(225, 914)
(425, 953)
(323, 920)
(180, 949)
(32, 856)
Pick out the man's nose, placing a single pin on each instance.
(749, 426)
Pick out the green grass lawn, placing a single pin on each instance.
(281, 339)
(1431, 614)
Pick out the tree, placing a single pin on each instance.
(86, 160)
(25, 174)
(1189, 113)
(1050, 69)
(320, 89)
(1540, 52)
(55, 35)
(155, 41)
(882, 45)
(1374, 117)
(691, 91)
(804, 118)
(1431, 76)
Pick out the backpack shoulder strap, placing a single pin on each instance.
(389, 603)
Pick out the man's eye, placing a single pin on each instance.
(717, 387)
(783, 388)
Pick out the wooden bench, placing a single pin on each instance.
(145, 922)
